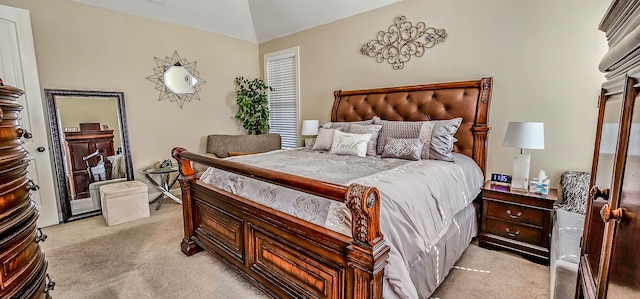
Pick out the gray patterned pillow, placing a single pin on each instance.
(396, 129)
(575, 191)
(345, 126)
(407, 148)
(370, 129)
(441, 140)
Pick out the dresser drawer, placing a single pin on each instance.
(515, 213)
(516, 232)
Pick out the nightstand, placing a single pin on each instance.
(517, 221)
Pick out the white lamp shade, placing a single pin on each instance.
(310, 127)
(529, 135)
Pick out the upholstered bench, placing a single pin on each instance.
(567, 230)
(124, 202)
(94, 190)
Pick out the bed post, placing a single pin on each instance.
(480, 129)
(367, 256)
(187, 175)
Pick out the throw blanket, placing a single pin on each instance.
(418, 199)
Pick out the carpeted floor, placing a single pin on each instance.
(142, 259)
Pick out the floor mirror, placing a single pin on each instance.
(90, 147)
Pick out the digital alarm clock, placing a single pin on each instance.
(501, 178)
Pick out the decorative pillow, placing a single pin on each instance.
(350, 144)
(324, 139)
(436, 135)
(396, 129)
(408, 148)
(442, 140)
(575, 191)
(345, 125)
(370, 129)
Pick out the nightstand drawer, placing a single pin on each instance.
(515, 213)
(513, 231)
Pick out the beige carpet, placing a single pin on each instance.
(142, 259)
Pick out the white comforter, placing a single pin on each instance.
(418, 201)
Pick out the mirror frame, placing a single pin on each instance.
(62, 183)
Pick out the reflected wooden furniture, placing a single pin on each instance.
(609, 254)
(291, 258)
(517, 221)
(82, 144)
(23, 265)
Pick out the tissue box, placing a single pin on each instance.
(538, 187)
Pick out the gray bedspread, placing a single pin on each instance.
(419, 200)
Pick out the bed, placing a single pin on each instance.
(289, 257)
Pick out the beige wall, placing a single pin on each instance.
(542, 54)
(83, 47)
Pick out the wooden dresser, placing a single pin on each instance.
(517, 221)
(81, 144)
(610, 252)
(22, 262)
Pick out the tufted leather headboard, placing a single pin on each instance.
(467, 99)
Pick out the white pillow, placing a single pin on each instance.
(350, 144)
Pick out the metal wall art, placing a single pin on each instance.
(176, 79)
(401, 41)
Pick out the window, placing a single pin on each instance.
(282, 72)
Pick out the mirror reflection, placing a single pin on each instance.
(179, 80)
(90, 141)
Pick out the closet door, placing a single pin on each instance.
(602, 178)
(621, 215)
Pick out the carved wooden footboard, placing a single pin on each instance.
(281, 254)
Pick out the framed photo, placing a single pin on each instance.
(71, 129)
(105, 127)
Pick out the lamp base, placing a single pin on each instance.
(309, 142)
(520, 180)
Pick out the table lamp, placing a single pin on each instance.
(523, 135)
(310, 128)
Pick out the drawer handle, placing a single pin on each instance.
(32, 186)
(512, 234)
(50, 285)
(513, 216)
(23, 133)
(41, 236)
(596, 193)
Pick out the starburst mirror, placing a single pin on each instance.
(176, 79)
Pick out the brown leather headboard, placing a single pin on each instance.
(467, 99)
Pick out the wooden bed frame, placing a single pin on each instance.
(291, 258)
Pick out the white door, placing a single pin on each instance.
(18, 68)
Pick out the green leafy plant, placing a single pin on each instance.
(253, 104)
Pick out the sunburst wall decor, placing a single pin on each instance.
(401, 41)
(176, 79)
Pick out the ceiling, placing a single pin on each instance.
(251, 20)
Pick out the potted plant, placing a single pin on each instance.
(253, 105)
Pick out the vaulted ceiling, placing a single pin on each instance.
(251, 20)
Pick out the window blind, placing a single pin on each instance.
(282, 75)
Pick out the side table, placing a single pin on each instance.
(164, 184)
(517, 221)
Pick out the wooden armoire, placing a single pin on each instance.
(610, 254)
(23, 266)
(82, 144)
